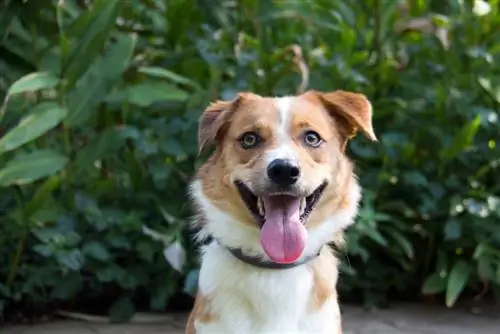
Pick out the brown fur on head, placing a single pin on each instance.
(285, 128)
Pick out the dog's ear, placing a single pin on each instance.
(352, 111)
(215, 119)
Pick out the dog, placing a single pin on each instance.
(276, 191)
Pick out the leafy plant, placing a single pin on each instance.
(98, 123)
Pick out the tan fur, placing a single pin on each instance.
(323, 268)
(201, 312)
(335, 116)
(258, 113)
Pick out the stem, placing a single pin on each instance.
(377, 45)
(14, 266)
(17, 258)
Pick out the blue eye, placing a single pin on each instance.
(250, 140)
(312, 138)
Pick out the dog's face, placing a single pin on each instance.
(279, 164)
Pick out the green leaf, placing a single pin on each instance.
(436, 283)
(44, 117)
(33, 82)
(373, 234)
(42, 194)
(122, 310)
(457, 280)
(43, 250)
(159, 72)
(72, 259)
(484, 249)
(98, 81)
(100, 23)
(149, 92)
(27, 168)
(101, 146)
(96, 250)
(118, 240)
(462, 140)
(110, 273)
(128, 280)
(494, 92)
(403, 242)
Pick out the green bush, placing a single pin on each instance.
(97, 138)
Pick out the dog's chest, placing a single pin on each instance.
(246, 300)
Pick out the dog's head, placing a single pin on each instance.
(279, 172)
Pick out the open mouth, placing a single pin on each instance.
(256, 205)
(281, 218)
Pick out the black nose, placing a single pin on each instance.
(283, 172)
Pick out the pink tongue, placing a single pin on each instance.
(283, 236)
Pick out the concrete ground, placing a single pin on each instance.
(400, 319)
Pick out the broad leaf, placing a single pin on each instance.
(72, 259)
(27, 168)
(96, 250)
(33, 82)
(403, 242)
(436, 283)
(101, 146)
(149, 92)
(457, 280)
(89, 44)
(462, 139)
(42, 194)
(166, 74)
(494, 91)
(96, 83)
(44, 117)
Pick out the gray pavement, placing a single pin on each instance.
(400, 319)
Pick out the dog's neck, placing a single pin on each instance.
(260, 263)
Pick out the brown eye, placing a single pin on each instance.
(312, 138)
(250, 140)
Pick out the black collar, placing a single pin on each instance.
(258, 262)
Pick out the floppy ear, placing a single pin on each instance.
(213, 120)
(353, 111)
(210, 122)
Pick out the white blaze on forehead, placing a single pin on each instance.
(283, 148)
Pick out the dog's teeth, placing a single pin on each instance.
(302, 205)
(260, 206)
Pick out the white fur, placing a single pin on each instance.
(232, 233)
(284, 148)
(258, 301)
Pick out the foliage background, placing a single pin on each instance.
(97, 140)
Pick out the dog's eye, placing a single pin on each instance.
(250, 140)
(312, 138)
